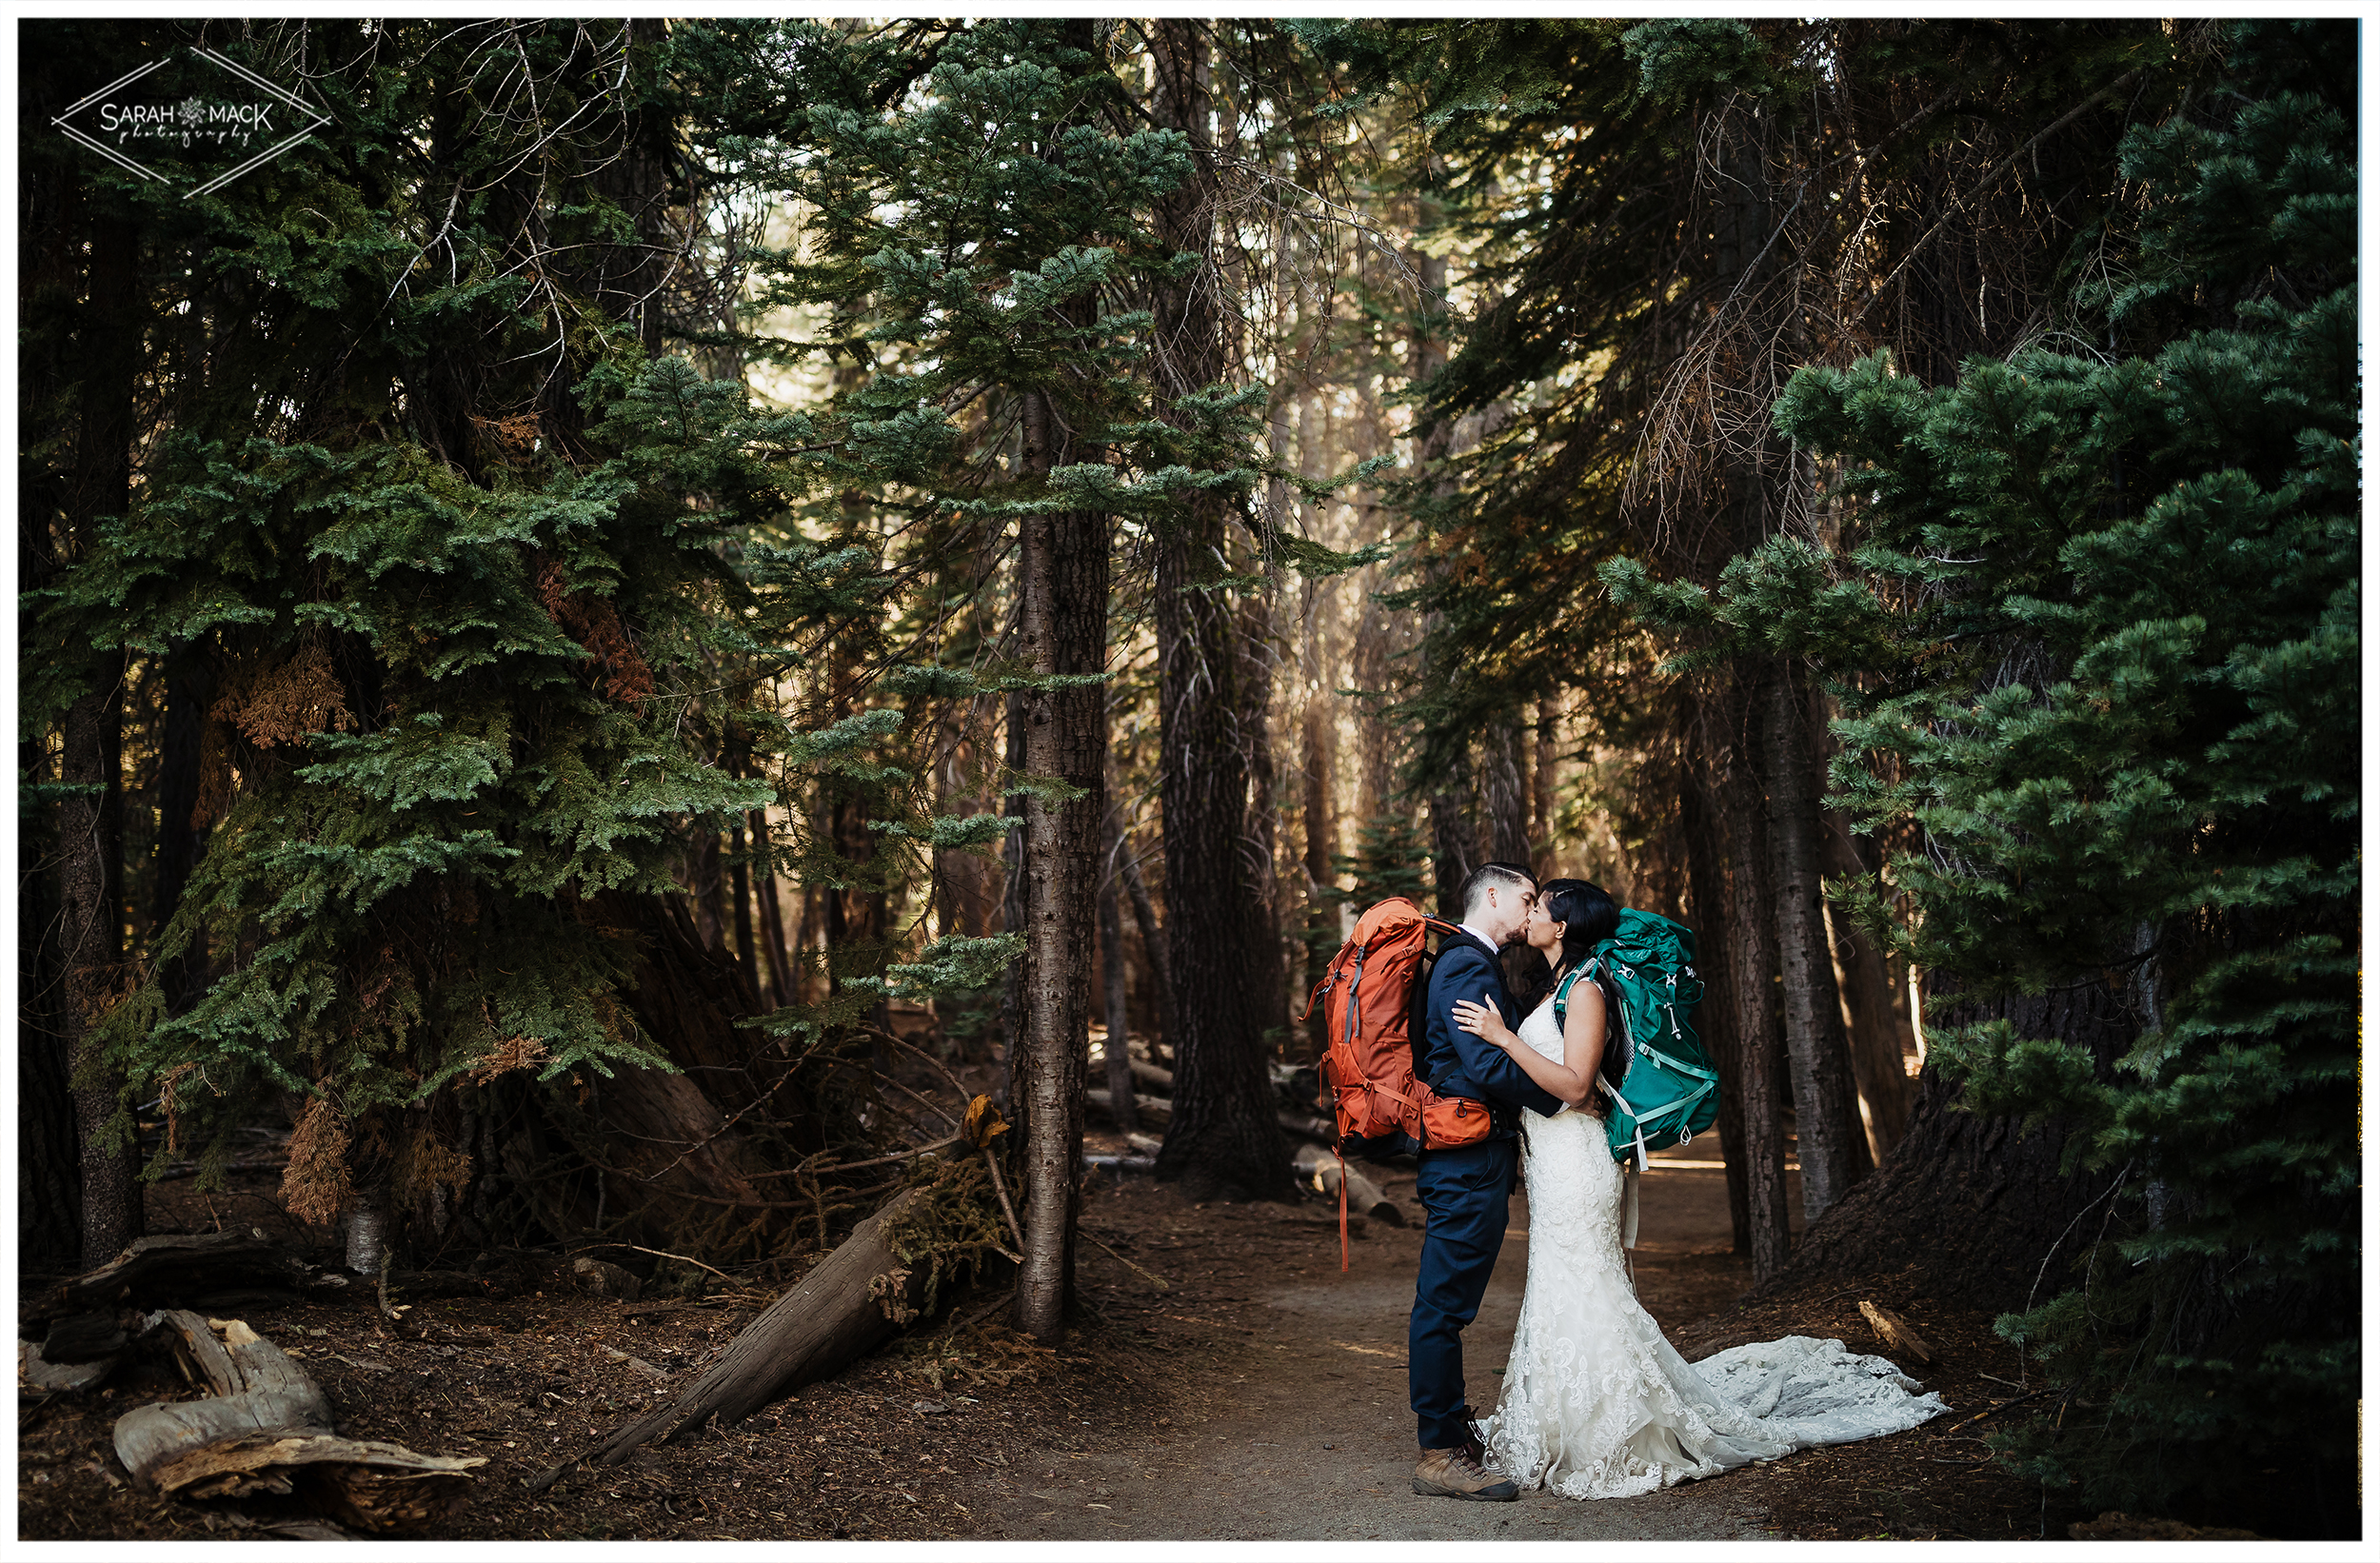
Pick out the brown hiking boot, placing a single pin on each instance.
(1453, 1473)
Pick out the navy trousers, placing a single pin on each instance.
(1467, 1194)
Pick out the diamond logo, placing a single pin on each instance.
(191, 118)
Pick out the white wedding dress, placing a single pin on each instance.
(1596, 1404)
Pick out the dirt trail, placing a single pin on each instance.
(1257, 1394)
(1307, 1434)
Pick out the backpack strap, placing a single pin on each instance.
(1678, 1064)
(1562, 993)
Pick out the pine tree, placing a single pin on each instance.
(972, 229)
(1710, 204)
(447, 535)
(2107, 612)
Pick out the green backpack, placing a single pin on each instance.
(1662, 1088)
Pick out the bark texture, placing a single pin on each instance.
(1879, 1044)
(1062, 579)
(1754, 1019)
(1706, 867)
(1976, 1202)
(1321, 846)
(1119, 1051)
(1833, 1143)
(1506, 787)
(1224, 1138)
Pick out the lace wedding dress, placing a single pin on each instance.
(1596, 1404)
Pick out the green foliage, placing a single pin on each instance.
(459, 578)
(1391, 858)
(967, 232)
(2100, 641)
(1680, 58)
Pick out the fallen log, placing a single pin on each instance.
(265, 1427)
(1158, 1113)
(836, 1315)
(1320, 1170)
(95, 1337)
(173, 1268)
(37, 1374)
(1321, 1131)
(1154, 1111)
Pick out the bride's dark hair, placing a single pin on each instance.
(1589, 916)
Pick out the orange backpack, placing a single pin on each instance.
(1369, 999)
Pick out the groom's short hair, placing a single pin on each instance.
(1475, 885)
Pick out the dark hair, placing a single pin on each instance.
(1487, 874)
(1589, 916)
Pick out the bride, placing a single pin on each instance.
(1596, 1404)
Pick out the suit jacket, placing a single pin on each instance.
(1452, 1062)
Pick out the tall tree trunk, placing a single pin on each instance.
(1062, 582)
(1706, 872)
(179, 844)
(1876, 1047)
(1833, 1143)
(1259, 839)
(1225, 1137)
(1013, 917)
(1751, 968)
(1152, 943)
(1322, 845)
(1066, 586)
(1506, 789)
(1544, 779)
(772, 917)
(1118, 1054)
(89, 827)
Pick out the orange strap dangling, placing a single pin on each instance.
(1342, 1209)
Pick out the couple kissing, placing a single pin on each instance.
(1596, 1402)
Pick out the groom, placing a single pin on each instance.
(1467, 1191)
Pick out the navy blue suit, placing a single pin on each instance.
(1466, 1192)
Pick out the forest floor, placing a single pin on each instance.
(1259, 1392)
